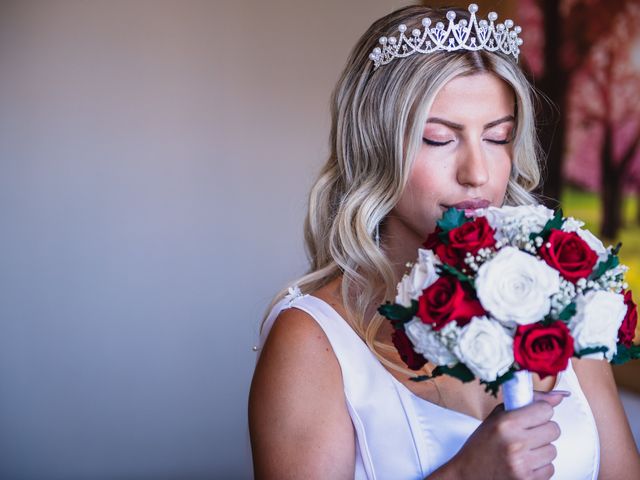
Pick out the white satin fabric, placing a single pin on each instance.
(400, 436)
(518, 391)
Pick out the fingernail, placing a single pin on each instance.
(564, 393)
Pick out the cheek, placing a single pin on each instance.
(419, 204)
(429, 176)
(501, 174)
(417, 195)
(423, 189)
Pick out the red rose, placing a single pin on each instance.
(448, 255)
(414, 360)
(442, 250)
(543, 349)
(472, 236)
(445, 300)
(569, 254)
(628, 328)
(433, 240)
(468, 237)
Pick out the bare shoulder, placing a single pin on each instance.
(298, 418)
(619, 457)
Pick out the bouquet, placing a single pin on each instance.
(498, 293)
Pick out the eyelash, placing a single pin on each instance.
(442, 144)
(435, 144)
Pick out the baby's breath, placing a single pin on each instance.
(564, 297)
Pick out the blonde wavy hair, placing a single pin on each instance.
(377, 119)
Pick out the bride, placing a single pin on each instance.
(411, 136)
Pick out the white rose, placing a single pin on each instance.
(594, 243)
(536, 216)
(598, 317)
(570, 224)
(403, 297)
(486, 348)
(422, 275)
(516, 287)
(427, 342)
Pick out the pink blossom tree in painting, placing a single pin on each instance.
(590, 73)
(604, 123)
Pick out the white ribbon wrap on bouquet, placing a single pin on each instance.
(518, 391)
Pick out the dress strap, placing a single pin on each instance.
(341, 336)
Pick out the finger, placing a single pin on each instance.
(543, 435)
(542, 456)
(532, 415)
(544, 473)
(553, 398)
(541, 394)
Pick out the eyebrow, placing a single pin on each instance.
(457, 126)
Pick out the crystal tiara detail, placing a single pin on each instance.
(465, 35)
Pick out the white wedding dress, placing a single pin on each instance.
(400, 436)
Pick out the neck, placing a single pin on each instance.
(400, 245)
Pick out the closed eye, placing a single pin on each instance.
(433, 143)
(500, 142)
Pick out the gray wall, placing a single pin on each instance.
(154, 163)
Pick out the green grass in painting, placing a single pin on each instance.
(586, 207)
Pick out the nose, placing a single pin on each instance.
(472, 167)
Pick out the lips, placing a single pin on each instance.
(472, 204)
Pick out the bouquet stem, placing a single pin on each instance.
(518, 391)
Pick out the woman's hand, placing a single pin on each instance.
(511, 445)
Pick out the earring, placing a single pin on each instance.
(378, 235)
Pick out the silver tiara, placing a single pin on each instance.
(465, 35)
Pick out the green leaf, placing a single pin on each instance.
(459, 371)
(589, 350)
(398, 314)
(493, 387)
(434, 373)
(612, 261)
(624, 354)
(567, 312)
(547, 320)
(445, 268)
(554, 223)
(444, 237)
(617, 248)
(452, 218)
